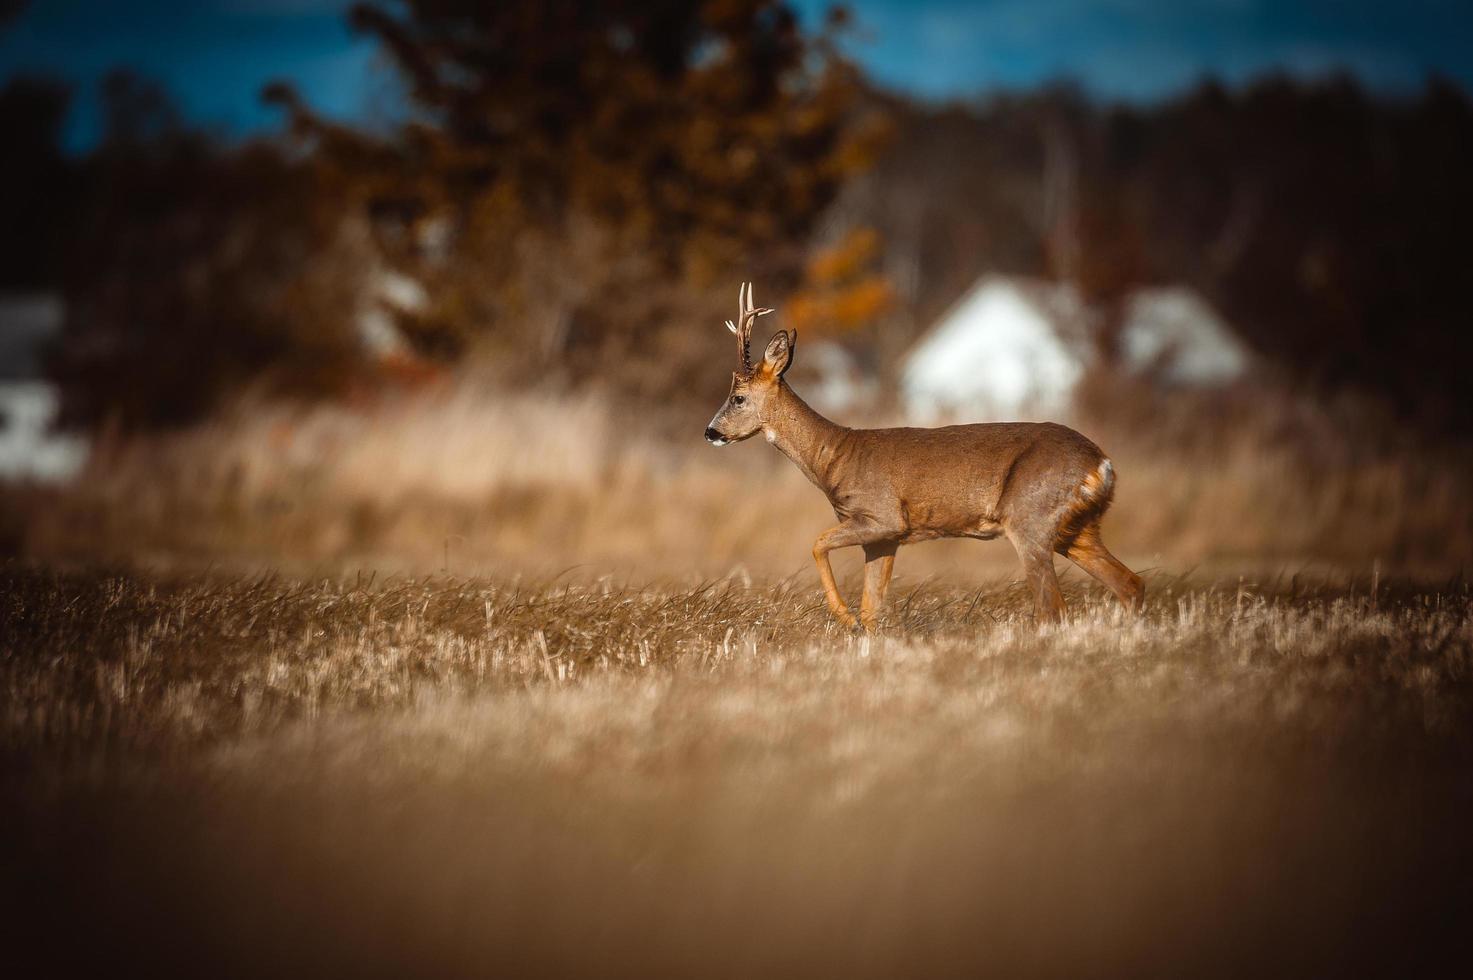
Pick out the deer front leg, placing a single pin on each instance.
(821, 548)
(843, 536)
(879, 562)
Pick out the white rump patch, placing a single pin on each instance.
(1099, 483)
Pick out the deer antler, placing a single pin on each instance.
(747, 314)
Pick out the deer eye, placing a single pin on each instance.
(738, 399)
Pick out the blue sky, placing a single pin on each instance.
(1147, 49)
(214, 55)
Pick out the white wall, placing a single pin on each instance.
(1174, 334)
(996, 355)
(28, 448)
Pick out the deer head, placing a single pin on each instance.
(743, 413)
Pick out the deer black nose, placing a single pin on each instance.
(712, 435)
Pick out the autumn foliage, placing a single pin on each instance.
(843, 288)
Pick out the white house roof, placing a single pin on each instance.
(30, 449)
(1009, 348)
(1175, 334)
(389, 293)
(1017, 348)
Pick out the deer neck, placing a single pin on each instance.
(804, 436)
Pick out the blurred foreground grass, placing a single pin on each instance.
(478, 777)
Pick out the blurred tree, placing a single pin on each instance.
(137, 113)
(593, 162)
(1330, 226)
(37, 182)
(843, 290)
(199, 270)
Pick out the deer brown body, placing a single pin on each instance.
(1044, 486)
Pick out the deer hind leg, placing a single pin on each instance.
(879, 562)
(1089, 553)
(1038, 568)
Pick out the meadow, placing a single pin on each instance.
(401, 623)
(470, 689)
(441, 776)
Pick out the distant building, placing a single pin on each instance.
(833, 378)
(1015, 348)
(30, 448)
(1174, 335)
(1009, 348)
(389, 294)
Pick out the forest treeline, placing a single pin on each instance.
(576, 190)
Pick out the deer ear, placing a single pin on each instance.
(779, 353)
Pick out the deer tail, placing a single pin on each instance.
(1091, 500)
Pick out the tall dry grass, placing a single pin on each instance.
(476, 480)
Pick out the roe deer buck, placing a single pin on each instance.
(1043, 485)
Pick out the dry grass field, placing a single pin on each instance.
(211, 774)
(488, 684)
